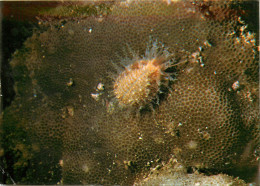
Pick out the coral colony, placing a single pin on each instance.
(190, 69)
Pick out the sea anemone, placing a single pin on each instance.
(144, 78)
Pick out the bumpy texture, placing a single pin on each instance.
(139, 83)
(207, 118)
(173, 173)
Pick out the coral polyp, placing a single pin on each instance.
(140, 81)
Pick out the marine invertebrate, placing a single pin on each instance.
(202, 122)
(141, 80)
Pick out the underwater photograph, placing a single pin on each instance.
(130, 92)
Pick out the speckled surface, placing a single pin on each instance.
(63, 124)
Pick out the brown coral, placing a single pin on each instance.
(206, 120)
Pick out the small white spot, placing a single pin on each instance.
(168, 1)
(100, 19)
(90, 30)
(34, 93)
(70, 83)
(85, 168)
(95, 96)
(235, 85)
(140, 136)
(192, 145)
(100, 86)
(207, 43)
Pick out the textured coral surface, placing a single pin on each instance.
(64, 125)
